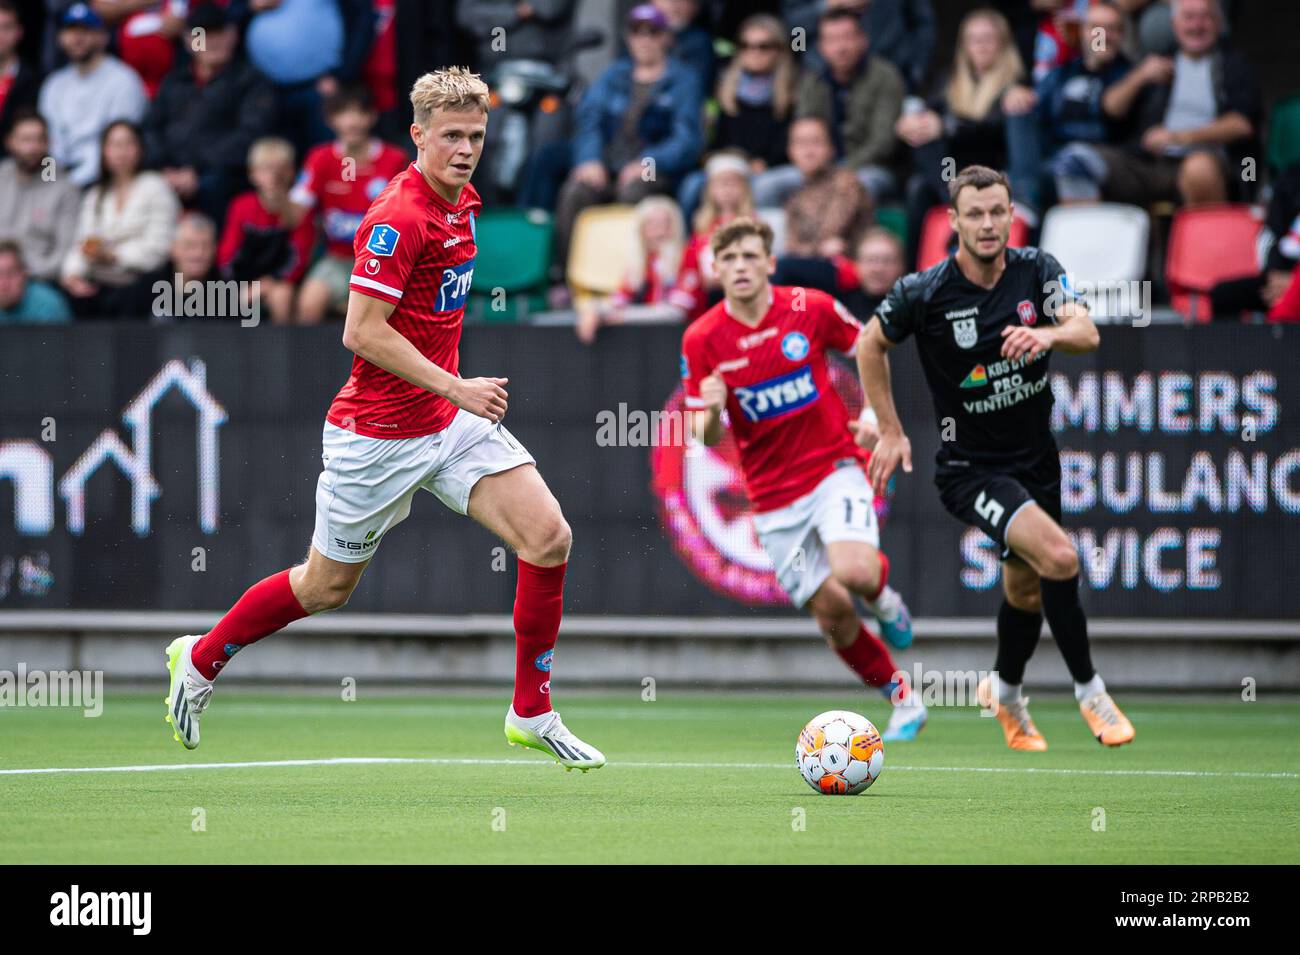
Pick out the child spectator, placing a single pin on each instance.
(657, 243)
(726, 196)
(257, 243)
(338, 181)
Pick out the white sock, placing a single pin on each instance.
(1094, 686)
(1008, 692)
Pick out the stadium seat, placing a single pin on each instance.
(1101, 243)
(775, 217)
(936, 236)
(1207, 245)
(598, 252)
(514, 250)
(893, 218)
(1284, 133)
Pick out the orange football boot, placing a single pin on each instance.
(1104, 719)
(1019, 729)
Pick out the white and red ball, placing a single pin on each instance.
(839, 753)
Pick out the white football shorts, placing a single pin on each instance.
(840, 508)
(366, 484)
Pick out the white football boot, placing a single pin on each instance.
(189, 693)
(548, 734)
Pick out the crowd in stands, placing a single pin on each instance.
(244, 139)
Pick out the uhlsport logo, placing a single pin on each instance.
(778, 396)
(795, 346)
(706, 514)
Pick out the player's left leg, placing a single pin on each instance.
(832, 607)
(1035, 537)
(518, 507)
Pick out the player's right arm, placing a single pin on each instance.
(892, 446)
(895, 319)
(367, 334)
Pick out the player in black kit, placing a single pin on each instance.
(985, 321)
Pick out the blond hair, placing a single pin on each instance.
(454, 88)
(741, 228)
(710, 214)
(270, 149)
(669, 254)
(971, 96)
(785, 78)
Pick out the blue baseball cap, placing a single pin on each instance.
(81, 15)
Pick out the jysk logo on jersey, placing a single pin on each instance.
(778, 396)
(455, 286)
(383, 240)
(1028, 314)
(795, 346)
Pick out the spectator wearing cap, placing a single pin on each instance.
(903, 31)
(638, 126)
(726, 196)
(1195, 116)
(19, 83)
(125, 226)
(38, 210)
(24, 300)
(756, 97)
(858, 96)
(207, 114)
(81, 99)
(308, 49)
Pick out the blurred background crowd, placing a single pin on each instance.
(1154, 142)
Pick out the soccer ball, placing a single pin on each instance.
(839, 753)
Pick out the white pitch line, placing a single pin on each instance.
(430, 761)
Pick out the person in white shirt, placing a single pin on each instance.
(124, 231)
(81, 99)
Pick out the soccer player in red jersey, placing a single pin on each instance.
(406, 421)
(756, 362)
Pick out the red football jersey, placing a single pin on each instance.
(415, 250)
(340, 201)
(789, 423)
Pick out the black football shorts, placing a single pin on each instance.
(989, 495)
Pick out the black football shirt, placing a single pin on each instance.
(999, 410)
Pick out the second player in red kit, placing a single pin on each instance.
(756, 362)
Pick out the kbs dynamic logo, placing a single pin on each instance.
(778, 396)
(703, 507)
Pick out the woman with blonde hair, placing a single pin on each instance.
(756, 97)
(657, 241)
(726, 196)
(964, 121)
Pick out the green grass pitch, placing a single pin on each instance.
(693, 777)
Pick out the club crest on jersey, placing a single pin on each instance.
(454, 288)
(778, 396)
(795, 346)
(1028, 314)
(383, 240)
(686, 367)
(374, 187)
(965, 332)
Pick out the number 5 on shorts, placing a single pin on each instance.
(988, 508)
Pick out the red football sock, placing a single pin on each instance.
(266, 607)
(539, 604)
(870, 659)
(884, 575)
